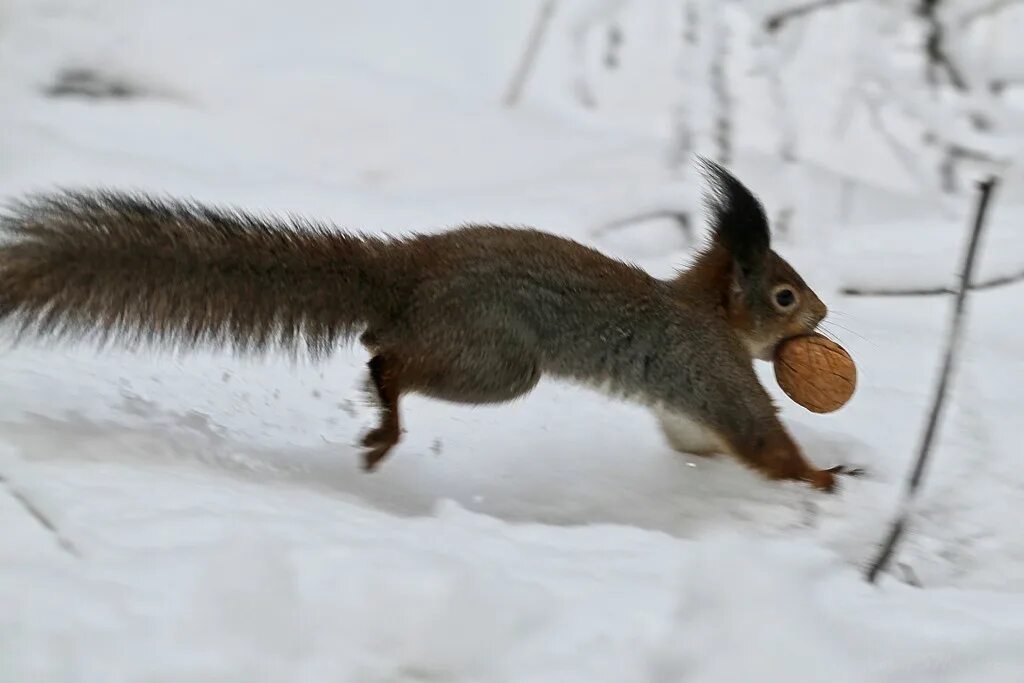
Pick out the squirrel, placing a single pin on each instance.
(476, 315)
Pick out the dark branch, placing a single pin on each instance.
(681, 218)
(935, 291)
(935, 46)
(986, 10)
(723, 99)
(941, 389)
(40, 517)
(775, 21)
(533, 46)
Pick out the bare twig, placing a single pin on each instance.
(991, 283)
(44, 521)
(935, 46)
(775, 21)
(909, 575)
(985, 10)
(722, 97)
(683, 136)
(579, 31)
(611, 54)
(904, 155)
(540, 28)
(952, 345)
(682, 219)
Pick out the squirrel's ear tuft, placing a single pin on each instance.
(738, 220)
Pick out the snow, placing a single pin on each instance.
(218, 527)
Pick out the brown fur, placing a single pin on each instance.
(143, 270)
(475, 315)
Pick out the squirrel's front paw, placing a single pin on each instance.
(848, 470)
(823, 480)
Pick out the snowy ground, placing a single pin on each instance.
(217, 525)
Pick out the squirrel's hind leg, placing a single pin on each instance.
(487, 365)
(385, 382)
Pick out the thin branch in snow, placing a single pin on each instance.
(988, 9)
(540, 28)
(942, 388)
(683, 142)
(957, 132)
(615, 40)
(680, 217)
(719, 83)
(596, 11)
(953, 153)
(774, 22)
(906, 158)
(909, 575)
(991, 283)
(702, 115)
(39, 516)
(935, 47)
(770, 58)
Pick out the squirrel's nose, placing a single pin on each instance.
(820, 314)
(819, 311)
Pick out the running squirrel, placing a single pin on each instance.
(474, 315)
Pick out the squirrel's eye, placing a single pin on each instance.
(784, 297)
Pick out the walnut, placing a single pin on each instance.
(815, 372)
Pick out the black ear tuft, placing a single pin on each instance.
(738, 220)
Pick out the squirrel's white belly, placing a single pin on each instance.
(686, 435)
(683, 433)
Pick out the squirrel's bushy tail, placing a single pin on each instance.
(131, 268)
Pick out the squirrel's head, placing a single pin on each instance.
(764, 299)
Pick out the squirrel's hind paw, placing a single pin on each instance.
(378, 443)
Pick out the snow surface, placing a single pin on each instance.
(216, 525)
